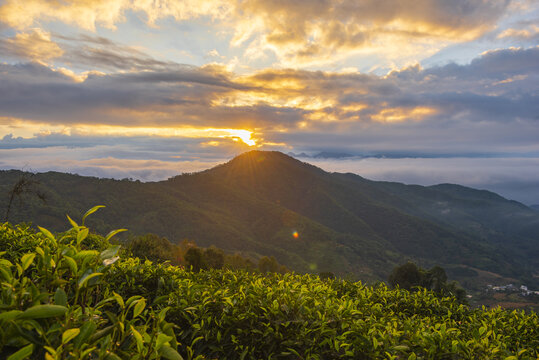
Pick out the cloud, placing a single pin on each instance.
(299, 33)
(107, 13)
(78, 162)
(529, 33)
(489, 105)
(322, 31)
(35, 45)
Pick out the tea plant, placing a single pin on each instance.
(53, 304)
(72, 296)
(233, 314)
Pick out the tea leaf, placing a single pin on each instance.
(27, 259)
(83, 234)
(69, 335)
(60, 297)
(43, 311)
(22, 353)
(169, 353)
(84, 279)
(73, 223)
(139, 307)
(91, 211)
(86, 331)
(112, 233)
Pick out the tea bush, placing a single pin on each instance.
(60, 300)
(55, 305)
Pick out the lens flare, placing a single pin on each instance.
(295, 234)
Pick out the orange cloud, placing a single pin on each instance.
(299, 33)
(35, 45)
(394, 115)
(107, 13)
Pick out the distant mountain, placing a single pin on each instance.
(535, 207)
(322, 155)
(345, 223)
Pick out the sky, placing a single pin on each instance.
(423, 91)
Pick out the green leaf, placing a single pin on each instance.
(84, 280)
(6, 273)
(109, 252)
(112, 356)
(162, 339)
(69, 335)
(82, 235)
(22, 353)
(91, 211)
(169, 353)
(112, 233)
(132, 300)
(48, 234)
(138, 338)
(118, 299)
(101, 333)
(73, 223)
(85, 253)
(43, 311)
(72, 264)
(9, 315)
(412, 356)
(401, 348)
(139, 307)
(163, 313)
(86, 331)
(60, 297)
(27, 260)
(86, 352)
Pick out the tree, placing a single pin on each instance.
(195, 258)
(236, 262)
(25, 185)
(406, 276)
(153, 248)
(268, 264)
(435, 279)
(410, 276)
(214, 257)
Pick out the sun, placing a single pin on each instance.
(244, 135)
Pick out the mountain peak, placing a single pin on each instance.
(263, 155)
(268, 162)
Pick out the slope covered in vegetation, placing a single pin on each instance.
(344, 223)
(72, 296)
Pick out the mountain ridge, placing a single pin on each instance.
(346, 224)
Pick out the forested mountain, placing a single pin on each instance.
(255, 204)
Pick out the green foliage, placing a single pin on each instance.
(214, 258)
(153, 248)
(238, 262)
(194, 258)
(229, 314)
(270, 264)
(409, 276)
(406, 276)
(55, 305)
(61, 300)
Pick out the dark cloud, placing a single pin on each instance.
(493, 102)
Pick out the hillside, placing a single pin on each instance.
(346, 224)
